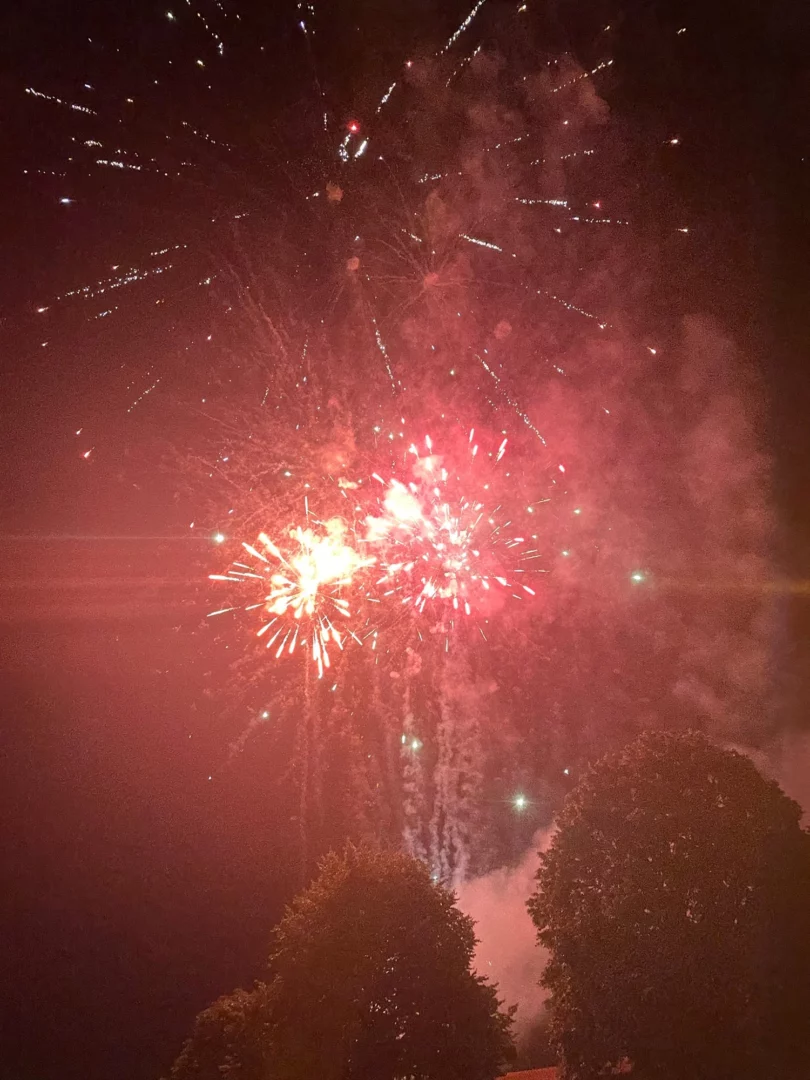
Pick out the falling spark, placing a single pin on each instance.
(457, 34)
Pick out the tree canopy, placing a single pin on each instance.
(370, 979)
(230, 1040)
(372, 966)
(674, 902)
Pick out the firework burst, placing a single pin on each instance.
(304, 589)
(441, 543)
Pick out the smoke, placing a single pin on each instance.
(786, 759)
(792, 756)
(719, 583)
(507, 952)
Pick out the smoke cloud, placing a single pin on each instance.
(787, 761)
(507, 952)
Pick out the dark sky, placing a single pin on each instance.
(134, 888)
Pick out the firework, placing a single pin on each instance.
(458, 249)
(304, 590)
(440, 543)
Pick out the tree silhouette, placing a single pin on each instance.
(370, 980)
(675, 904)
(230, 1040)
(372, 967)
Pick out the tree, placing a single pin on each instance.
(674, 902)
(230, 1040)
(373, 980)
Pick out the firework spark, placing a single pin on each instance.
(304, 588)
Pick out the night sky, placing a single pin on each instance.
(136, 888)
